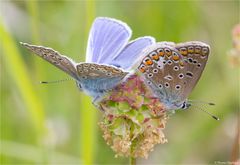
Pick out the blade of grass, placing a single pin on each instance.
(88, 113)
(34, 23)
(18, 71)
(34, 20)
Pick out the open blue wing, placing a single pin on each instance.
(106, 40)
(131, 52)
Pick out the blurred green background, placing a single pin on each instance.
(49, 124)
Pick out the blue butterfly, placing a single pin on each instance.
(109, 56)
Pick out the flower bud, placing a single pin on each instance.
(133, 120)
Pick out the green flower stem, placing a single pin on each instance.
(18, 71)
(132, 160)
(88, 114)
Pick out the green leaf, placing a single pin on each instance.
(140, 117)
(124, 106)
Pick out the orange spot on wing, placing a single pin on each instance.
(161, 54)
(169, 53)
(142, 68)
(148, 62)
(155, 57)
(175, 58)
(183, 52)
(190, 50)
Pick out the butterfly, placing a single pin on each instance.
(109, 56)
(173, 70)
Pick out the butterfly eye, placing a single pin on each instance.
(148, 61)
(190, 49)
(183, 105)
(154, 56)
(160, 52)
(183, 51)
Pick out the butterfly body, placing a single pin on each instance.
(172, 70)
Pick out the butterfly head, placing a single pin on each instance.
(185, 105)
(172, 106)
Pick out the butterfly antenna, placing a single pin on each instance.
(201, 102)
(56, 81)
(213, 116)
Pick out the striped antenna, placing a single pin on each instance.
(56, 81)
(199, 108)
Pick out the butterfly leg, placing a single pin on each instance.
(96, 103)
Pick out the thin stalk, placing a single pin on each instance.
(34, 24)
(132, 160)
(17, 70)
(34, 20)
(87, 111)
